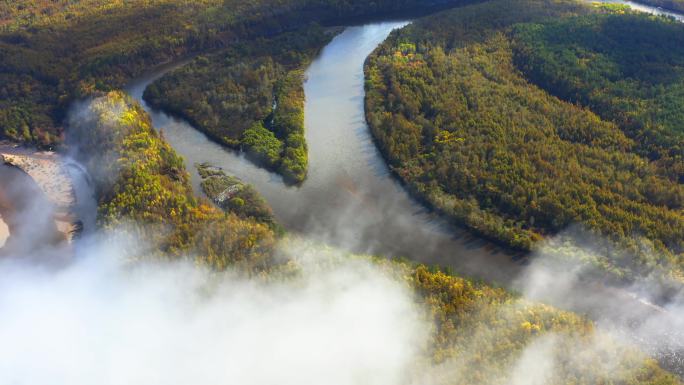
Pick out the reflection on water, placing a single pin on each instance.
(349, 198)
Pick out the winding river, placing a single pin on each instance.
(351, 200)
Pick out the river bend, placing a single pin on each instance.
(352, 201)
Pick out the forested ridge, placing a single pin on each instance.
(479, 332)
(468, 132)
(143, 187)
(232, 195)
(672, 5)
(249, 96)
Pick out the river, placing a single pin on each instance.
(351, 200)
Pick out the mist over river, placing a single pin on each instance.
(351, 200)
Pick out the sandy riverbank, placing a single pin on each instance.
(46, 169)
(4, 232)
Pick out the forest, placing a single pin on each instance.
(249, 96)
(143, 184)
(477, 139)
(53, 52)
(479, 330)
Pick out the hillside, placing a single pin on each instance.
(472, 135)
(628, 68)
(143, 188)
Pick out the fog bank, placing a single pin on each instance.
(101, 320)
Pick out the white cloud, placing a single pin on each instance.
(100, 321)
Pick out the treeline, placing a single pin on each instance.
(467, 132)
(479, 331)
(249, 96)
(52, 52)
(143, 187)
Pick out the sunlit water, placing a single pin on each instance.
(351, 200)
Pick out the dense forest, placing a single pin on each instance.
(52, 52)
(628, 68)
(468, 131)
(249, 96)
(479, 333)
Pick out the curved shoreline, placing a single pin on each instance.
(352, 199)
(352, 174)
(48, 194)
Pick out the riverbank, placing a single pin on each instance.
(53, 191)
(676, 6)
(4, 232)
